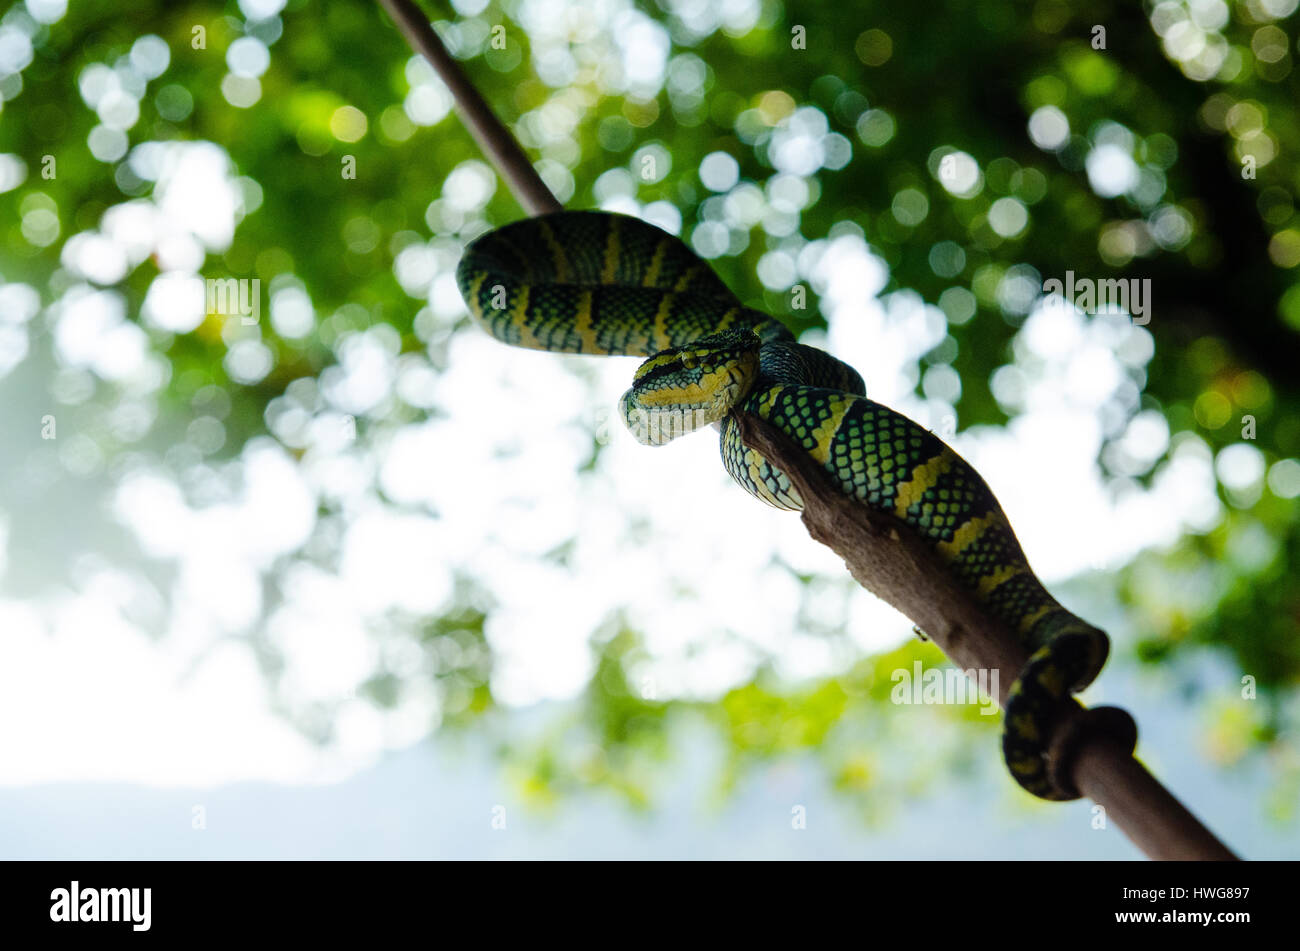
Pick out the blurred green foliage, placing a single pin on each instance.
(1194, 94)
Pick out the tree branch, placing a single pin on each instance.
(489, 132)
(890, 560)
(887, 558)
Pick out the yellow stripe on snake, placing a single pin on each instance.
(591, 282)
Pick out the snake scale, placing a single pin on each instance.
(599, 283)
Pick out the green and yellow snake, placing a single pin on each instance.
(592, 282)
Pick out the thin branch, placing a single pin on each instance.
(892, 562)
(1090, 749)
(493, 137)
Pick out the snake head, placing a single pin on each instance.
(686, 388)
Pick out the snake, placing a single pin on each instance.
(595, 282)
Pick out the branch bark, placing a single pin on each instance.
(496, 141)
(892, 562)
(885, 556)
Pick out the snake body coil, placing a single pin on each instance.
(591, 282)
